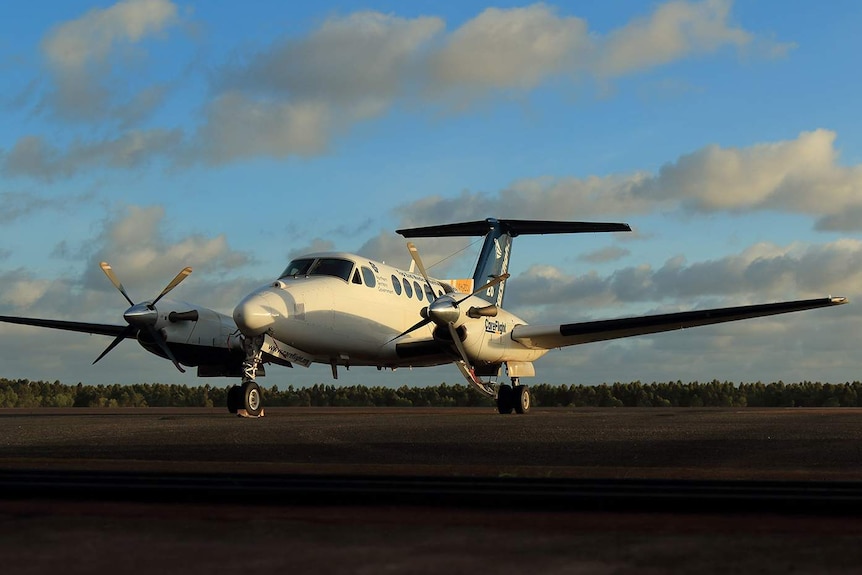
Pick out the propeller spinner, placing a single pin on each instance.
(142, 317)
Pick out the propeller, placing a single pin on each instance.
(143, 316)
(443, 310)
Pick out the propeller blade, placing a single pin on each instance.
(174, 283)
(109, 271)
(414, 253)
(123, 335)
(157, 337)
(458, 343)
(493, 282)
(412, 328)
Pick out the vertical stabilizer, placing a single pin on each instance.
(493, 261)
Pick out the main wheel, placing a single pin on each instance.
(521, 398)
(234, 398)
(505, 399)
(252, 401)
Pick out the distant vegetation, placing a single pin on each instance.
(26, 393)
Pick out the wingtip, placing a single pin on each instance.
(838, 300)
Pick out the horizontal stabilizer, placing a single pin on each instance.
(512, 227)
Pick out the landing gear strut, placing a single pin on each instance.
(513, 397)
(246, 400)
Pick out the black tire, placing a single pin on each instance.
(234, 398)
(505, 399)
(521, 399)
(252, 401)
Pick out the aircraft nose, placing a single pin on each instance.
(256, 313)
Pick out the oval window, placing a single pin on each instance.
(396, 285)
(407, 289)
(418, 289)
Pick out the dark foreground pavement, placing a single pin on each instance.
(40, 533)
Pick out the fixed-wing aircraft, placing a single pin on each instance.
(347, 310)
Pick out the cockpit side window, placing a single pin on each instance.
(332, 267)
(368, 276)
(297, 268)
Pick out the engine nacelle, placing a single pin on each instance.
(486, 337)
(198, 337)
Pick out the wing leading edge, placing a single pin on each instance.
(553, 336)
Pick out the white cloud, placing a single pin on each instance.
(674, 31)
(802, 175)
(17, 205)
(357, 63)
(35, 157)
(239, 127)
(608, 254)
(513, 48)
(20, 291)
(762, 272)
(360, 66)
(80, 56)
(136, 244)
(294, 97)
(795, 175)
(89, 39)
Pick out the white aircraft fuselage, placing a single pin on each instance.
(352, 312)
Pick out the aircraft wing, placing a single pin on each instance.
(97, 328)
(553, 336)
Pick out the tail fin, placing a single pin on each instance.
(494, 256)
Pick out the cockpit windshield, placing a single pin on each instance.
(297, 268)
(336, 267)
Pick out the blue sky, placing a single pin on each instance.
(157, 134)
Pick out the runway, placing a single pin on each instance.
(342, 490)
(637, 443)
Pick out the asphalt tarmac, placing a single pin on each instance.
(41, 534)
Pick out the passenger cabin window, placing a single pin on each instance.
(407, 289)
(418, 289)
(297, 268)
(335, 267)
(368, 276)
(396, 285)
(429, 293)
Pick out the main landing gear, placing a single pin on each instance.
(513, 397)
(245, 399)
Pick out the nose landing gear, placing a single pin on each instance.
(245, 399)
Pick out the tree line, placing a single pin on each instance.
(26, 393)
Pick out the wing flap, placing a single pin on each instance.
(553, 336)
(82, 327)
